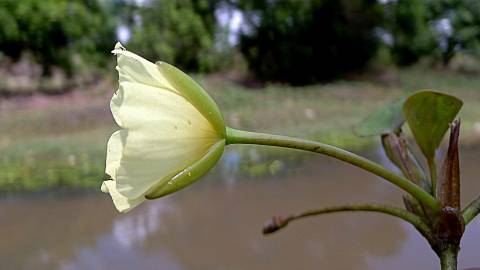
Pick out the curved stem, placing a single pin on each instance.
(244, 137)
(413, 219)
(471, 211)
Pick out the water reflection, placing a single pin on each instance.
(216, 224)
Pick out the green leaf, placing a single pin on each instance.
(428, 115)
(387, 119)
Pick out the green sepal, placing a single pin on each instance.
(428, 115)
(387, 119)
(190, 174)
(192, 91)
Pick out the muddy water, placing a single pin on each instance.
(216, 224)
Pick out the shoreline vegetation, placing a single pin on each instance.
(52, 142)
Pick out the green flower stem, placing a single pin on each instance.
(448, 258)
(413, 219)
(235, 136)
(471, 211)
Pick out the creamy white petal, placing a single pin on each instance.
(122, 203)
(134, 68)
(164, 134)
(114, 152)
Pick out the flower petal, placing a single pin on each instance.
(114, 152)
(122, 203)
(134, 68)
(165, 134)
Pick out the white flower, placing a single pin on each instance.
(172, 131)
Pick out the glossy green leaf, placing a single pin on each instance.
(387, 119)
(428, 115)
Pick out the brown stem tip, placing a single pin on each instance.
(274, 224)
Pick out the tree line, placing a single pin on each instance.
(291, 41)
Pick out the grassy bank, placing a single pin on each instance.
(48, 142)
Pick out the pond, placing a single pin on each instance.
(216, 225)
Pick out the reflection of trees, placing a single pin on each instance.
(45, 233)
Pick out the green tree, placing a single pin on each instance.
(433, 28)
(54, 31)
(176, 31)
(463, 17)
(301, 42)
(413, 35)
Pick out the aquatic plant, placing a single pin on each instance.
(173, 133)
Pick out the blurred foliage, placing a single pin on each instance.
(288, 41)
(46, 164)
(409, 24)
(177, 31)
(435, 28)
(60, 143)
(463, 17)
(303, 42)
(55, 31)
